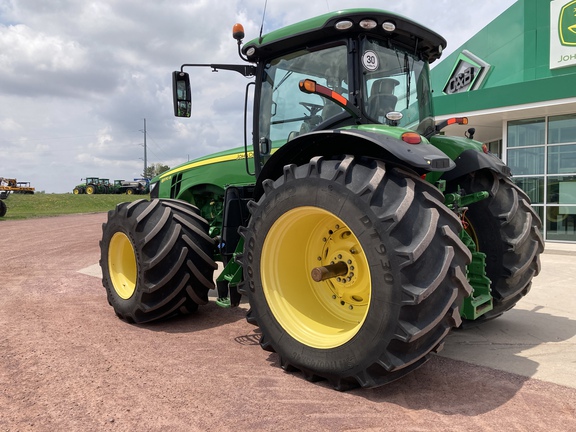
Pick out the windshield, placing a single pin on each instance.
(395, 81)
(285, 111)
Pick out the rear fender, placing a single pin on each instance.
(421, 158)
(468, 155)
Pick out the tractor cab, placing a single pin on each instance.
(354, 69)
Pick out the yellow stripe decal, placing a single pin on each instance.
(231, 157)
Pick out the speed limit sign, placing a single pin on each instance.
(370, 60)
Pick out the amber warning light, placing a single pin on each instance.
(238, 31)
(458, 120)
(310, 86)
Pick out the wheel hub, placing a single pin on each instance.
(341, 246)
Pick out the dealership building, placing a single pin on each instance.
(515, 80)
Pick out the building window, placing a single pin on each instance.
(526, 161)
(522, 133)
(541, 153)
(562, 129)
(495, 147)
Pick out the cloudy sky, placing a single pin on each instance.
(78, 78)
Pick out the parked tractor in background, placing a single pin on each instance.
(359, 234)
(135, 187)
(95, 185)
(91, 185)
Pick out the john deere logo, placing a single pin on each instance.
(567, 24)
(468, 73)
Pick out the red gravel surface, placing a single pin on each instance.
(68, 364)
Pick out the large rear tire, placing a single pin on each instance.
(156, 259)
(404, 273)
(504, 227)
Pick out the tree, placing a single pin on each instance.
(154, 170)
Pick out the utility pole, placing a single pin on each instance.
(145, 161)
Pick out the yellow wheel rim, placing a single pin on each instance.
(122, 265)
(324, 314)
(76, 191)
(129, 192)
(90, 190)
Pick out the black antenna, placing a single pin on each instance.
(262, 25)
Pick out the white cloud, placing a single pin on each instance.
(78, 78)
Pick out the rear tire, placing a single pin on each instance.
(504, 227)
(3, 208)
(90, 189)
(156, 259)
(405, 276)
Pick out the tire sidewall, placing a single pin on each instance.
(122, 306)
(384, 300)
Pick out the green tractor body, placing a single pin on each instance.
(91, 185)
(358, 234)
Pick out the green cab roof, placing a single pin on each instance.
(408, 34)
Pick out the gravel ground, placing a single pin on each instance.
(68, 364)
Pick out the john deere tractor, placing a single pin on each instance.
(358, 234)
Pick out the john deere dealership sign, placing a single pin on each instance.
(468, 74)
(562, 33)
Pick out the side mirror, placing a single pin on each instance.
(181, 94)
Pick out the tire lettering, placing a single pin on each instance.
(388, 278)
(345, 363)
(365, 220)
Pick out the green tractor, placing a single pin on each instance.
(359, 235)
(91, 185)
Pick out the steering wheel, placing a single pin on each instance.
(312, 108)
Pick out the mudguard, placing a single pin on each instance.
(472, 160)
(468, 155)
(422, 157)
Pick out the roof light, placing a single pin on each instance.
(411, 138)
(388, 26)
(344, 25)
(368, 24)
(394, 116)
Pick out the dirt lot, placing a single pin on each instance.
(68, 364)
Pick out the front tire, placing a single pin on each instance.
(3, 208)
(405, 270)
(156, 259)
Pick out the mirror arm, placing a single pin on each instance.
(246, 70)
